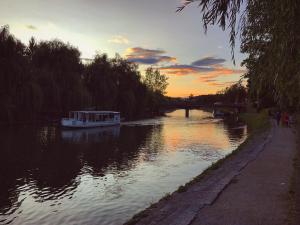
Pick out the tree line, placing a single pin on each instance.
(235, 93)
(270, 36)
(48, 79)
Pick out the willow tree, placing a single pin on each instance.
(218, 12)
(58, 69)
(269, 30)
(270, 37)
(20, 95)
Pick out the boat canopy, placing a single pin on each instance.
(96, 112)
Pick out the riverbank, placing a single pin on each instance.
(250, 187)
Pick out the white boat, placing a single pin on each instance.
(83, 119)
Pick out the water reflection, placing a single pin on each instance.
(88, 135)
(105, 175)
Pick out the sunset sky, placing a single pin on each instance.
(148, 32)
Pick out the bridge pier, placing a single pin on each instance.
(187, 112)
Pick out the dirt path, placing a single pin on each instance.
(250, 188)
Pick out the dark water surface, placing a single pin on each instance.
(105, 175)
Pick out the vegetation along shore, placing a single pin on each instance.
(47, 79)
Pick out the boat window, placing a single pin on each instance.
(71, 115)
(98, 118)
(92, 117)
(83, 117)
(80, 116)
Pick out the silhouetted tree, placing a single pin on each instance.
(270, 38)
(48, 78)
(20, 95)
(156, 81)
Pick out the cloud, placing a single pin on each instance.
(182, 70)
(205, 73)
(209, 80)
(119, 39)
(221, 84)
(31, 27)
(147, 56)
(218, 72)
(208, 61)
(208, 70)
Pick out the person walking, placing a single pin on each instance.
(285, 119)
(290, 120)
(278, 117)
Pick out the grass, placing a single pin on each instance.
(257, 123)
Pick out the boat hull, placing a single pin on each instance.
(69, 123)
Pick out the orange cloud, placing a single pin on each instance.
(205, 73)
(178, 71)
(218, 72)
(208, 71)
(221, 84)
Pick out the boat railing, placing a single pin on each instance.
(67, 118)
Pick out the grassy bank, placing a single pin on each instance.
(257, 123)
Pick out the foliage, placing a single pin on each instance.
(47, 78)
(256, 121)
(218, 12)
(270, 38)
(20, 95)
(235, 93)
(155, 81)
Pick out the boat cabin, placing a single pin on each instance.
(91, 119)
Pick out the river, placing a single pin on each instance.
(105, 175)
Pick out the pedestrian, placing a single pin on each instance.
(283, 119)
(278, 117)
(290, 120)
(286, 119)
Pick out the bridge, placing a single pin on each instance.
(189, 105)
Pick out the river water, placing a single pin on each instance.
(105, 175)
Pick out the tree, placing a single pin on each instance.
(58, 69)
(156, 81)
(236, 93)
(101, 83)
(270, 38)
(18, 87)
(47, 78)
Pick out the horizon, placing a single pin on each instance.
(175, 43)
